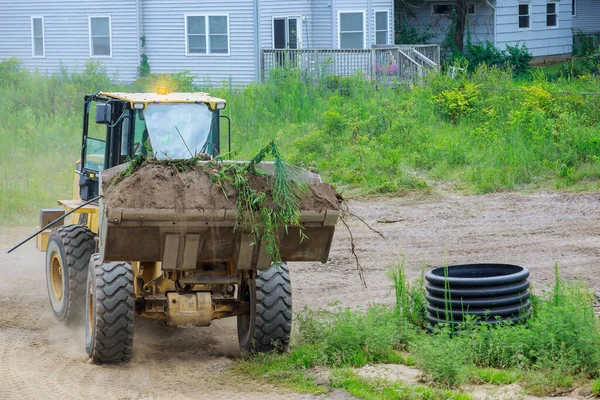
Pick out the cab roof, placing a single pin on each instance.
(197, 97)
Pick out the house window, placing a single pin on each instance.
(351, 29)
(100, 37)
(286, 33)
(442, 9)
(207, 34)
(524, 16)
(446, 9)
(37, 37)
(551, 15)
(381, 27)
(573, 12)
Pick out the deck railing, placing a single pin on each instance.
(400, 63)
(586, 42)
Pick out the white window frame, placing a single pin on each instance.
(33, 37)
(339, 25)
(110, 42)
(519, 3)
(387, 25)
(555, 13)
(207, 34)
(287, 18)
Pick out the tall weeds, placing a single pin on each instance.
(481, 133)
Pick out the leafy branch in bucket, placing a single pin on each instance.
(255, 212)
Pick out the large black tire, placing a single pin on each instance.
(269, 324)
(67, 257)
(110, 311)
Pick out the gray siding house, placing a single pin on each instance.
(544, 26)
(216, 41)
(586, 16)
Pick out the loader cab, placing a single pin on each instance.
(118, 127)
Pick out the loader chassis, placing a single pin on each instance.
(183, 267)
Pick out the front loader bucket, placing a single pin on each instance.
(183, 238)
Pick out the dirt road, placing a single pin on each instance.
(41, 359)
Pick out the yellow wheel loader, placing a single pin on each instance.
(107, 266)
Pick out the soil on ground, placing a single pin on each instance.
(164, 186)
(42, 359)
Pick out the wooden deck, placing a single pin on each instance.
(398, 63)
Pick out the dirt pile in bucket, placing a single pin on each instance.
(165, 185)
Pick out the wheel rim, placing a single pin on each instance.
(90, 302)
(56, 276)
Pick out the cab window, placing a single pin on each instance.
(140, 136)
(95, 146)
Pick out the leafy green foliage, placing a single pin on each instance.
(497, 376)
(347, 338)
(458, 102)
(285, 188)
(596, 387)
(410, 299)
(411, 31)
(584, 44)
(557, 348)
(380, 389)
(364, 138)
(144, 67)
(516, 58)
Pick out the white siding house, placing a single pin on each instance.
(316, 23)
(544, 26)
(46, 35)
(216, 41)
(213, 40)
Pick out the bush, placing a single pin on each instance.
(347, 338)
(514, 57)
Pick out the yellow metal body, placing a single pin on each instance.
(186, 264)
(145, 98)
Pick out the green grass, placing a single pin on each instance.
(596, 387)
(496, 376)
(278, 370)
(483, 133)
(556, 350)
(380, 389)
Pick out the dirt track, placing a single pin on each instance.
(40, 358)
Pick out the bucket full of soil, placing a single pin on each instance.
(247, 213)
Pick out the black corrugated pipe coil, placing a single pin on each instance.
(491, 292)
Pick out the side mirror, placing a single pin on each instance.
(228, 131)
(103, 113)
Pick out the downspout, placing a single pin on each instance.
(139, 31)
(495, 20)
(306, 21)
(333, 23)
(256, 40)
(393, 23)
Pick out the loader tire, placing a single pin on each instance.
(67, 257)
(109, 311)
(269, 324)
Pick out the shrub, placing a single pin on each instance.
(514, 57)
(457, 103)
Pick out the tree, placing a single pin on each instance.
(460, 23)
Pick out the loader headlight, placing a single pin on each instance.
(138, 106)
(221, 106)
